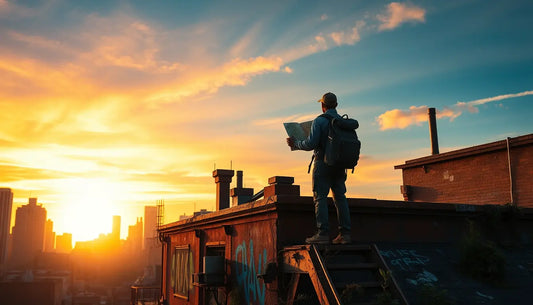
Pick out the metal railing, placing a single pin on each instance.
(145, 295)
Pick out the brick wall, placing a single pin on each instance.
(476, 175)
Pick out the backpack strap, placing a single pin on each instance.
(327, 116)
(330, 118)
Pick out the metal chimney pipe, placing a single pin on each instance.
(239, 179)
(433, 131)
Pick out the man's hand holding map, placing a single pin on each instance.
(298, 131)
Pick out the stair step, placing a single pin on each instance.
(341, 286)
(349, 247)
(345, 266)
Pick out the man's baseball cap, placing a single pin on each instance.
(329, 99)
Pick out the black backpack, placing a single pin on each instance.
(343, 146)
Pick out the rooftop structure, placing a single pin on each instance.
(495, 173)
(254, 252)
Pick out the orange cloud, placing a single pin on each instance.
(349, 37)
(401, 119)
(236, 72)
(397, 118)
(398, 13)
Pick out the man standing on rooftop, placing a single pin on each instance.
(326, 177)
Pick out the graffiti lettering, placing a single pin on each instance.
(425, 277)
(247, 270)
(405, 259)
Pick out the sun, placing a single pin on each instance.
(88, 205)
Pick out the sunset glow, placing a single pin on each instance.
(109, 108)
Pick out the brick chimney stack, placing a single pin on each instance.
(223, 180)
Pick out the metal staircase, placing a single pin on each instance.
(340, 274)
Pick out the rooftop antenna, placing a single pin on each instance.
(160, 212)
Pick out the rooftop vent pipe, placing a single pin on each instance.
(433, 131)
(240, 195)
(239, 179)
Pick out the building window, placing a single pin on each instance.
(182, 268)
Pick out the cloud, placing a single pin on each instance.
(323, 42)
(398, 13)
(12, 173)
(236, 72)
(397, 118)
(120, 59)
(38, 42)
(348, 37)
(497, 98)
(416, 115)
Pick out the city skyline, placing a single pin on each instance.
(118, 230)
(111, 106)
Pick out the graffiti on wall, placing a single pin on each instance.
(405, 259)
(247, 269)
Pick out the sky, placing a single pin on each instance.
(108, 106)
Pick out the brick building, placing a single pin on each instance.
(495, 173)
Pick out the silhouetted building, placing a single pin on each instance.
(495, 173)
(45, 292)
(135, 236)
(201, 212)
(185, 216)
(151, 248)
(64, 243)
(28, 233)
(150, 225)
(115, 232)
(6, 205)
(37, 287)
(49, 236)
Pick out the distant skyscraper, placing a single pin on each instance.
(150, 225)
(135, 236)
(115, 233)
(6, 205)
(152, 246)
(49, 236)
(28, 233)
(64, 243)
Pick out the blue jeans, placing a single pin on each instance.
(325, 178)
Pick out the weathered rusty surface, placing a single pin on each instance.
(292, 288)
(252, 235)
(296, 259)
(249, 246)
(306, 260)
